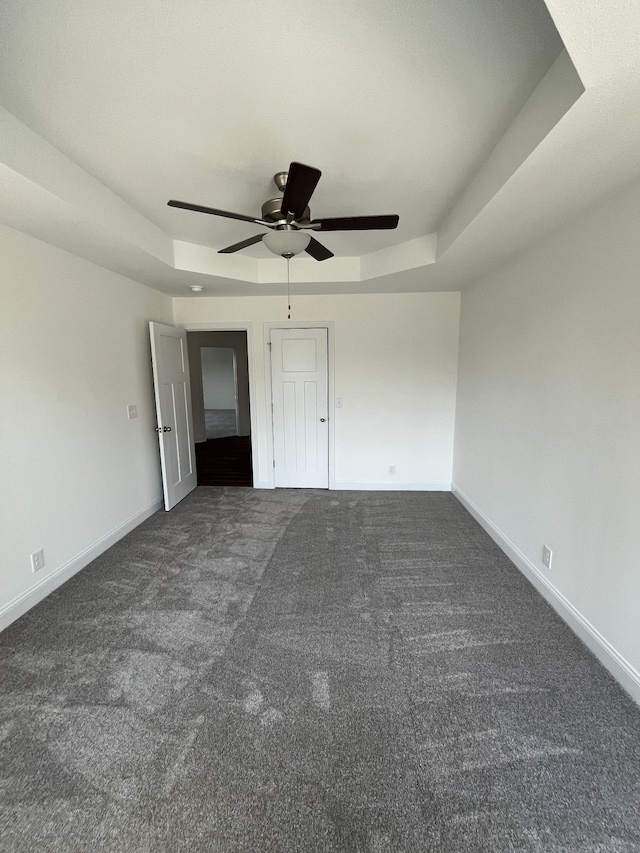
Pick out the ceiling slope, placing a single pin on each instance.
(408, 114)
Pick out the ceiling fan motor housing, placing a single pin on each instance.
(272, 211)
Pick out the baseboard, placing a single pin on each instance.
(372, 486)
(620, 668)
(19, 606)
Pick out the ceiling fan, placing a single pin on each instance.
(289, 218)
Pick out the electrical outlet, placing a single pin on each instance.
(132, 412)
(547, 554)
(37, 560)
(391, 469)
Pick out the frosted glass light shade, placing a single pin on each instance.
(286, 242)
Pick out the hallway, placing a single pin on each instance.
(224, 461)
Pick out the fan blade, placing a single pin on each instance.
(301, 182)
(200, 209)
(243, 245)
(318, 251)
(355, 223)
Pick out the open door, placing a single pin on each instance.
(173, 411)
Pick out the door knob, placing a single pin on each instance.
(166, 429)
(322, 420)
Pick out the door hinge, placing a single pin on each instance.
(269, 345)
(274, 463)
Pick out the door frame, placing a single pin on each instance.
(248, 328)
(235, 386)
(234, 368)
(329, 325)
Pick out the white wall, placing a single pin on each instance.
(548, 420)
(218, 378)
(75, 472)
(395, 370)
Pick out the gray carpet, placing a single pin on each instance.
(310, 671)
(220, 423)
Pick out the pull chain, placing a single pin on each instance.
(288, 291)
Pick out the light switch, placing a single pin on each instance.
(338, 402)
(132, 412)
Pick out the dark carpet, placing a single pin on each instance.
(310, 671)
(224, 461)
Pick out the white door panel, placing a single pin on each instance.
(299, 382)
(173, 410)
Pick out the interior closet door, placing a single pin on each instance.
(299, 383)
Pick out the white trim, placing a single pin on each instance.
(19, 606)
(384, 486)
(620, 668)
(330, 326)
(263, 484)
(236, 399)
(253, 409)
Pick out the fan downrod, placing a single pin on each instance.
(272, 209)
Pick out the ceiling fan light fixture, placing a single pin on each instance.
(286, 243)
(287, 216)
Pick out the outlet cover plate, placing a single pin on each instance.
(37, 560)
(547, 554)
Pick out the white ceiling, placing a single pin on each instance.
(400, 105)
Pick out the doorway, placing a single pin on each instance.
(221, 409)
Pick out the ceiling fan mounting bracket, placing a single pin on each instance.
(280, 180)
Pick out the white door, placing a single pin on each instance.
(299, 383)
(173, 410)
